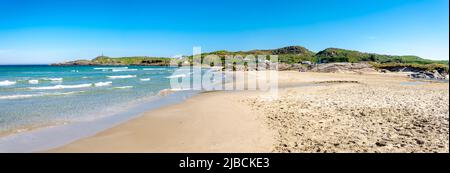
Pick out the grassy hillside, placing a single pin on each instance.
(381, 61)
(342, 55)
(297, 54)
(131, 60)
(292, 55)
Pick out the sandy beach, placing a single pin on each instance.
(209, 122)
(315, 112)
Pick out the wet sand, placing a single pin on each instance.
(210, 122)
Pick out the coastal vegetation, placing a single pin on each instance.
(299, 55)
(287, 55)
(135, 60)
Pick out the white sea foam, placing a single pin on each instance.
(7, 83)
(61, 87)
(121, 77)
(33, 81)
(109, 68)
(145, 79)
(152, 69)
(114, 69)
(100, 84)
(66, 93)
(18, 96)
(179, 89)
(53, 79)
(24, 96)
(176, 76)
(124, 87)
(119, 70)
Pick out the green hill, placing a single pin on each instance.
(135, 60)
(343, 55)
(288, 55)
(298, 54)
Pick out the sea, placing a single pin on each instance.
(35, 96)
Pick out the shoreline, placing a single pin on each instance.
(55, 135)
(29, 128)
(243, 122)
(195, 125)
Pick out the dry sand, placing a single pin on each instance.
(315, 112)
(379, 113)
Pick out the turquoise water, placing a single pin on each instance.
(33, 96)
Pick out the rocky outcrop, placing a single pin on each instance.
(343, 67)
(402, 69)
(294, 67)
(435, 75)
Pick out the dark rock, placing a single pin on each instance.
(420, 142)
(284, 67)
(435, 75)
(343, 67)
(384, 71)
(381, 143)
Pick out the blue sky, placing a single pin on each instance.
(45, 31)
